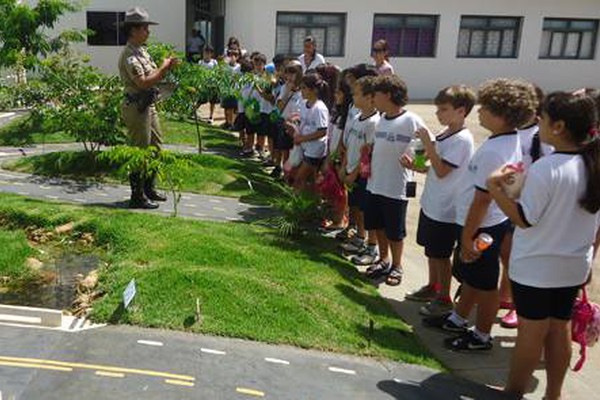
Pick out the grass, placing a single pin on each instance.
(21, 132)
(250, 283)
(15, 251)
(210, 174)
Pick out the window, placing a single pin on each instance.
(489, 37)
(569, 38)
(105, 27)
(407, 35)
(328, 29)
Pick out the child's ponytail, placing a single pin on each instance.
(313, 81)
(591, 159)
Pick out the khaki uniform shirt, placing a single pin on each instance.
(134, 61)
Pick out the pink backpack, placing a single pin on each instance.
(585, 326)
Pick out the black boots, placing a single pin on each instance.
(138, 200)
(150, 191)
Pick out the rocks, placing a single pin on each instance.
(64, 229)
(34, 264)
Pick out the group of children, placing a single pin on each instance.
(353, 125)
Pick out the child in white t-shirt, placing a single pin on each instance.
(312, 133)
(557, 218)
(386, 200)
(209, 62)
(437, 232)
(504, 105)
(357, 139)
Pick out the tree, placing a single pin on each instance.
(24, 31)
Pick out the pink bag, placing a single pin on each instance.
(585, 326)
(331, 188)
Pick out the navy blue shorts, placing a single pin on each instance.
(483, 273)
(542, 303)
(313, 162)
(386, 213)
(262, 127)
(438, 238)
(240, 122)
(357, 196)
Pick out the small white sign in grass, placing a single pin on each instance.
(129, 293)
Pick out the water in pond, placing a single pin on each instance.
(58, 292)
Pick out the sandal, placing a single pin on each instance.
(395, 277)
(378, 270)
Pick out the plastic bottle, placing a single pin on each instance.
(482, 242)
(419, 151)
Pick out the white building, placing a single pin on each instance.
(434, 42)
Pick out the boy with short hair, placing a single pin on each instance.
(386, 200)
(209, 62)
(505, 105)
(449, 156)
(359, 134)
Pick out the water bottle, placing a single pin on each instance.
(482, 242)
(419, 152)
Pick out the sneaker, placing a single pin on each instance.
(378, 270)
(367, 257)
(442, 323)
(354, 245)
(346, 233)
(510, 320)
(425, 294)
(468, 341)
(436, 307)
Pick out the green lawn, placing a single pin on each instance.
(250, 283)
(20, 132)
(210, 174)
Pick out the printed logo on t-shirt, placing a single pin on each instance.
(472, 167)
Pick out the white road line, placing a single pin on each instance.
(18, 184)
(215, 201)
(4, 183)
(342, 371)
(277, 361)
(150, 343)
(233, 219)
(80, 200)
(51, 197)
(45, 187)
(167, 211)
(219, 209)
(22, 194)
(211, 351)
(186, 198)
(102, 194)
(200, 215)
(190, 205)
(7, 175)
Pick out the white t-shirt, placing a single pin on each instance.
(359, 133)
(245, 93)
(312, 119)
(292, 102)
(494, 153)
(526, 137)
(317, 60)
(236, 68)
(392, 137)
(439, 195)
(208, 64)
(556, 251)
(334, 133)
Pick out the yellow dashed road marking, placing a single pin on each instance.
(110, 374)
(70, 366)
(179, 383)
(250, 392)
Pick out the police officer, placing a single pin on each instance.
(140, 76)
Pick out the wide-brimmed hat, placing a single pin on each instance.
(137, 16)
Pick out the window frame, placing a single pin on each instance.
(120, 39)
(321, 47)
(487, 29)
(436, 18)
(566, 31)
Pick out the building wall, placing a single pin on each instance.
(253, 21)
(170, 14)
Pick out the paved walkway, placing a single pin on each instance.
(489, 368)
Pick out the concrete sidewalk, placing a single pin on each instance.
(489, 368)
